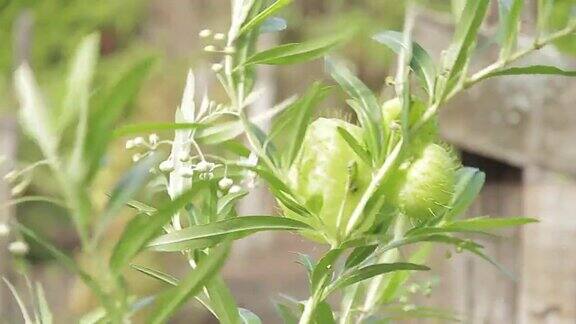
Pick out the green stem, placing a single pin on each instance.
(310, 306)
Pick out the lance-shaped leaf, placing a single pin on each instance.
(263, 16)
(421, 62)
(370, 272)
(171, 300)
(468, 185)
(297, 52)
(510, 24)
(143, 228)
(533, 69)
(202, 236)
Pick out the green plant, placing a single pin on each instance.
(365, 190)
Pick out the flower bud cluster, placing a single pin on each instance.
(17, 247)
(216, 46)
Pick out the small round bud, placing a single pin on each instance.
(235, 189)
(136, 157)
(229, 50)
(129, 144)
(216, 67)
(409, 308)
(205, 33)
(210, 48)
(4, 229)
(11, 176)
(219, 36)
(138, 141)
(187, 172)
(403, 299)
(153, 139)
(225, 183)
(18, 248)
(204, 166)
(166, 166)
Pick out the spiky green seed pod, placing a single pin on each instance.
(328, 175)
(428, 184)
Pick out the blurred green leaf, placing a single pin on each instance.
(272, 25)
(324, 314)
(371, 271)
(510, 11)
(19, 301)
(129, 185)
(108, 110)
(141, 230)
(291, 124)
(358, 255)
(468, 185)
(263, 15)
(355, 145)
(421, 62)
(297, 52)
(248, 317)
(34, 115)
(78, 83)
(533, 69)
(460, 50)
(364, 104)
(227, 202)
(159, 275)
(324, 269)
(171, 300)
(486, 223)
(43, 307)
(202, 236)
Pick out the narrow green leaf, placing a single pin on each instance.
(248, 317)
(292, 123)
(372, 271)
(306, 261)
(533, 69)
(297, 52)
(43, 307)
(358, 255)
(286, 313)
(202, 236)
(129, 185)
(34, 115)
(421, 62)
(134, 129)
(324, 268)
(227, 202)
(468, 185)
(355, 145)
(142, 229)
(324, 314)
(460, 50)
(510, 24)
(263, 15)
(172, 299)
(79, 80)
(487, 224)
(109, 108)
(156, 274)
(364, 104)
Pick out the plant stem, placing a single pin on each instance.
(310, 306)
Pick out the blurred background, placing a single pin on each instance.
(518, 130)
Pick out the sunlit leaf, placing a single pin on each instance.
(201, 236)
(263, 16)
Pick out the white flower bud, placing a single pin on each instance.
(210, 48)
(225, 183)
(216, 67)
(18, 248)
(187, 172)
(136, 157)
(153, 138)
(235, 189)
(138, 141)
(204, 166)
(219, 36)
(205, 33)
(4, 229)
(129, 144)
(166, 166)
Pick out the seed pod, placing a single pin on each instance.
(391, 113)
(428, 183)
(328, 176)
